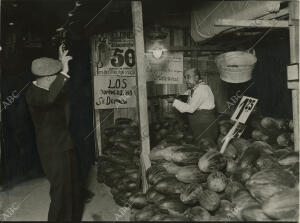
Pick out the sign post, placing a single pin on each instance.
(240, 115)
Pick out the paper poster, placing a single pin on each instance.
(114, 92)
(168, 69)
(114, 54)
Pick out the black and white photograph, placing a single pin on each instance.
(149, 110)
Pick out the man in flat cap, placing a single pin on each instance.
(47, 101)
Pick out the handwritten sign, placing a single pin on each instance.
(168, 69)
(115, 54)
(114, 92)
(244, 109)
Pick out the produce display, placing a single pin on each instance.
(255, 179)
(119, 166)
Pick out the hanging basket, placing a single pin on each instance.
(236, 66)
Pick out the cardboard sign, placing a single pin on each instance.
(115, 54)
(239, 130)
(244, 109)
(168, 69)
(114, 92)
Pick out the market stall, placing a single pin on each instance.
(146, 151)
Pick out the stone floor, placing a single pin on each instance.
(30, 201)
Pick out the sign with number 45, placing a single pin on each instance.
(244, 109)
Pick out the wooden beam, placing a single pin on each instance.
(294, 57)
(257, 23)
(96, 113)
(137, 16)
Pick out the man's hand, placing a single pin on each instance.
(64, 59)
(171, 99)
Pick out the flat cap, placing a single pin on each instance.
(45, 66)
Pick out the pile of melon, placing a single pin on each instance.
(251, 181)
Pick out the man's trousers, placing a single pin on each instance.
(61, 170)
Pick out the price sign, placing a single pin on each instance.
(239, 130)
(244, 109)
(115, 54)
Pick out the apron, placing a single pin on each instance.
(203, 124)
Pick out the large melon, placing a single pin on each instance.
(283, 205)
(209, 200)
(191, 174)
(169, 185)
(262, 185)
(211, 161)
(216, 181)
(254, 213)
(191, 193)
(198, 213)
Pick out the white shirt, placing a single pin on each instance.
(202, 98)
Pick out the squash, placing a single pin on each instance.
(284, 139)
(243, 174)
(289, 159)
(240, 144)
(231, 165)
(191, 174)
(241, 199)
(184, 155)
(170, 167)
(259, 136)
(146, 213)
(231, 152)
(153, 172)
(110, 131)
(216, 181)
(198, 213)
(280, 153)
(190, 193)
(161, 153)
(284, 204)
(254, 213)
(263, 146)
(249, 157)
(266, 161)
(172, 206)
(231, 188)
(211, 161)
(154, 196)
(129, 131)
(169, 185)
(158, 217)
(138, 200)
(262, 185)
(175, 218)
(209, 200)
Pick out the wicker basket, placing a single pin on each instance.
(236, 66)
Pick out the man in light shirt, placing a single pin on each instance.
(200, 107)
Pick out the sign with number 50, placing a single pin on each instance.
(115, 54)
(244, 109)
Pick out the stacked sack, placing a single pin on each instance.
(119, 166)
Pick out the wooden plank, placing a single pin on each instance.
(137, 17)
(293, 85)
(293, 72)
(294, 57)
(96, 113)
(252, 23)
